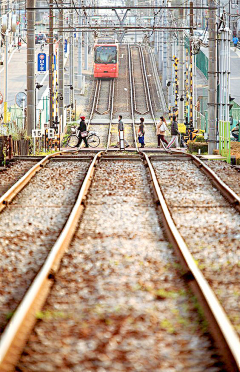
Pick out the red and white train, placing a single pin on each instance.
(106, 58)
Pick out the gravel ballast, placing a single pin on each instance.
(30, 226)
(228, 174)
(118, 302)
(12, 174)
(209, 226)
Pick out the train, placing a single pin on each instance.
(106, 57)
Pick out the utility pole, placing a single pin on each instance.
(5, 109)
(169, 65)
(181, 68)
(51, 65)
(79, 76)
(160, 47)
(164, 72)
(30, 67)
(61, 68)
(155, 36)
(135, 4)
(71, 62)
(191, 66)
(212, 79)
(86, 45)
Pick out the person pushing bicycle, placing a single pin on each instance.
(82, 132)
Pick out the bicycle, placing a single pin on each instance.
(92, 138)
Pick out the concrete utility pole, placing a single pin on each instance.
(191, 118)
(51, 65)
(79, 76)
(86, 45)
(5, 110)
(212, 80)
(61, 68)
(169, 65)
(181, 69)
(30, 66)
(71, 62)
(160, 47)
(164, 72)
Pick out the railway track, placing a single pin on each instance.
(156, 93)
(141, 87)
(101, 115)
(118, 296)
(13, 173)
(33, 213)
(131, 97)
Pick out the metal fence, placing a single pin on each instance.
(200, 120)
(235, 116)
(224, 139)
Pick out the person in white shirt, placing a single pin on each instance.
(161, 128)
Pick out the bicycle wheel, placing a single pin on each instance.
(72, 140)
(93, 140)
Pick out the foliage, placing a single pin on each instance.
(195, 146)
(68, 132)
(199, 138)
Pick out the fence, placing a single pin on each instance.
(224, 139)
(235, 116)
(10, 147)
(200, 120)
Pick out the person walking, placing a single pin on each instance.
(161, 128)
(235, 42)
(82, 132)
(121, 129)
(141, 132)
(174, 133)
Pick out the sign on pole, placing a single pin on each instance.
(65, 46)
(36, 133)
(42, 62)
(51, 133)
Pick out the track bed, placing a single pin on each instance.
(30, 225)
(12, 174)
(209, 226)
(118, 302)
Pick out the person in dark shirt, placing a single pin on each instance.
(174, 133)
(121, 128)
(82, 132)
(141, 132)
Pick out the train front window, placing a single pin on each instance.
(105, 54)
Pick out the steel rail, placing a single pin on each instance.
(157, 80)
(149, 96)
(111, 115)
(144, 83)
(221, 328)
(145, 78)
(94, 103)
(20, 184)
(109, 98)
(131, 96)
(93, 107)
(224, 189)
(18, 329)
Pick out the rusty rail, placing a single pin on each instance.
(221, 328)
(21, 324)
(18, 186)
(224, 189)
